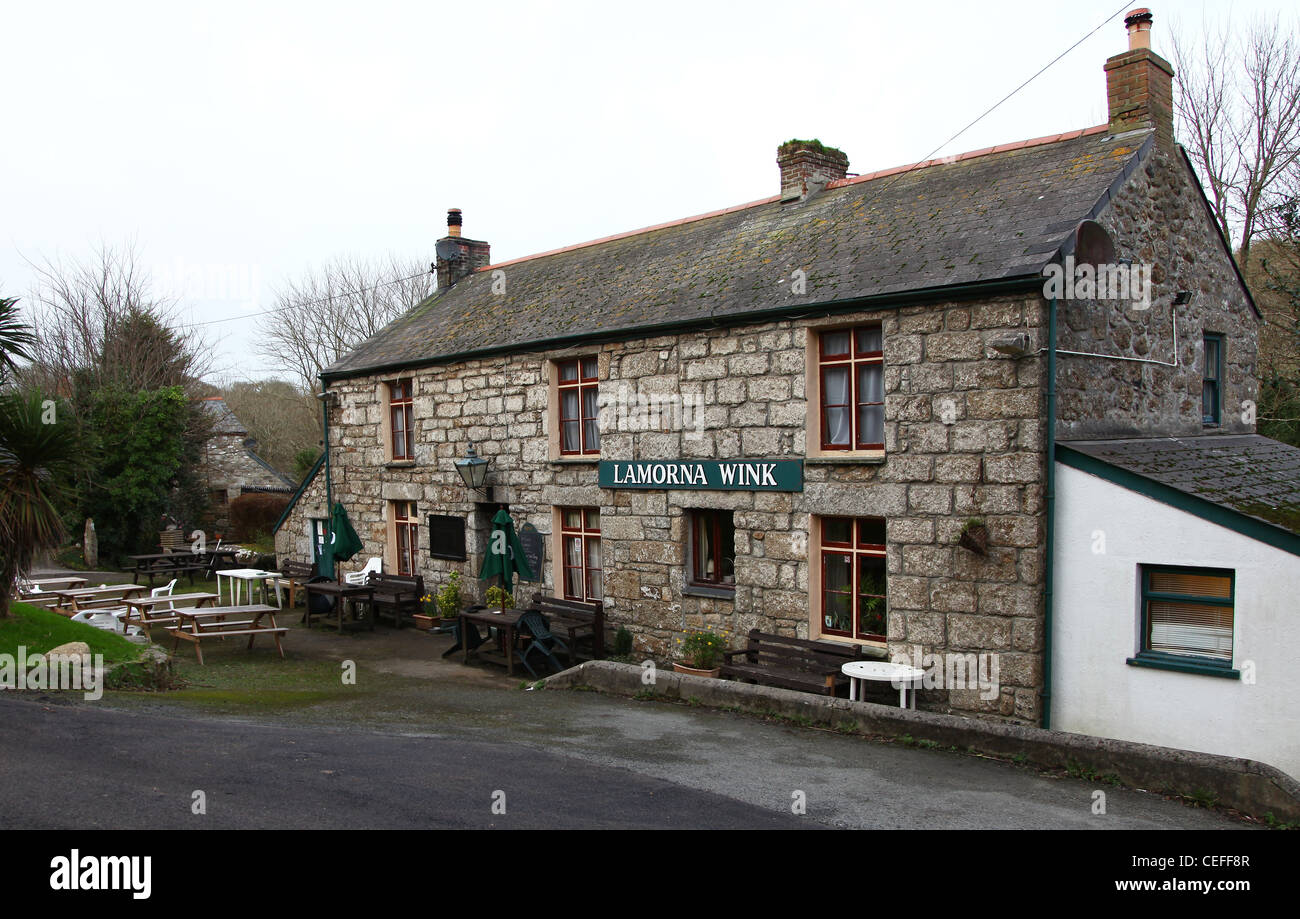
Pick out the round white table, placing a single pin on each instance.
(904, 677)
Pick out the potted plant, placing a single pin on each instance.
(975, 536)
(499, 599)
(428, 613)
(701, 651)
(448, 600)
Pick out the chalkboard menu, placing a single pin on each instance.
(534, 549)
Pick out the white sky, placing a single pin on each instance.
(240, 144)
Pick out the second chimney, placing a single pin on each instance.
(1140, 84)
(459, 257)
(807, 166)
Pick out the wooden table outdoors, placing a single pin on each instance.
(75, 601)
(507, 622)
(151, 611)
(195, 625)
(48, 584)
(343, 595)
(175, 564)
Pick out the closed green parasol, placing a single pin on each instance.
(343, 541)
(505, 555)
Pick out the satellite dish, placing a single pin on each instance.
(1093, 245)
(448, 249)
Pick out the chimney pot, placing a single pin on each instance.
(453, 222)
(807, 166)
(1138, 23)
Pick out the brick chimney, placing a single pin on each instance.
(1140, 84)
(458, 256)
(807, 166)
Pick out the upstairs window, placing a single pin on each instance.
(578, 384)
(852, 386)
(402, 420)
(1211, 379)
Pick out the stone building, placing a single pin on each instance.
(231, 468)
(783, 415)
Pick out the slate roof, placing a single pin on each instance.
(223, 419)
(1246, 473)
(990, 215)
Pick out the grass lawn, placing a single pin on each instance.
(39, 630)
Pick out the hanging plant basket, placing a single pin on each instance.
(975, 537)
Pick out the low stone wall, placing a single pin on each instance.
(1251, 787)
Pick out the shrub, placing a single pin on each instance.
(254, 515)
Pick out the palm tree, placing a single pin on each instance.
(38, 449)
(16, 338)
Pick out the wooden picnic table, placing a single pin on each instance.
(506, 623)
(195, 625)
(164, 564)
(343, 595)
(47, 584)
(150, 611)
(84, 598)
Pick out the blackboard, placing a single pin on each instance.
(534, 549)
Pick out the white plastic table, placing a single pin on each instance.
(248, 576)
(904, 677)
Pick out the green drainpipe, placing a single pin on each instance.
(1050, 500)
(329, 492)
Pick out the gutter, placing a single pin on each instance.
(971, 291)
(1050, 500)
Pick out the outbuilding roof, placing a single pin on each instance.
(985, 217)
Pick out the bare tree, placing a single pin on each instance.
(1238, 106)
(329, 311)
(98, 323)
(284, 419)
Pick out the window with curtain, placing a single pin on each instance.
(406, 528)
(854, 597)
(580, 532)
(402, 420)
(713, 549)
(852, 388)
(1187, 616)
(579, 409)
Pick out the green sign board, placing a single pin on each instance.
(711, 475)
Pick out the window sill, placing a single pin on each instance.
(1181, 664)
(847, 459)
(717, 593)
(399, 464)
(590, 459)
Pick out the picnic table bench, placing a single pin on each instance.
(168, 565)
(395, 595)
(574, 619)
(792, 663)
(75, 601)
(295, 575)
(195, 625)
(147, 612)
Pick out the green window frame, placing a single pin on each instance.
(1188, 619)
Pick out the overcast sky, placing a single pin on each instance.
(239, 145)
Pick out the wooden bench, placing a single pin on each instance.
(396, 595)
(195, 625)
(294, 575)
(792, 663)
(573, 620)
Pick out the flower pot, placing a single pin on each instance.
(976, 539)
(422, 621)
(696, 671)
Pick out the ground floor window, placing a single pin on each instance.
(318, 525)
(853, 600)
(406, 538)
(580, 533)
(713, 549)
(1187, 615)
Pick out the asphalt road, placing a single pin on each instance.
(559, 760)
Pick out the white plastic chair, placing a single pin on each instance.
(110, 620)
(359, 577)
(164, 592)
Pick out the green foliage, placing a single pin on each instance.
(16, 338)
(303, 460)
(38, 454)
(448, 601)
(622, 642)
(702, 649)
(38, 630)
(141, 455)
(496, 596)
